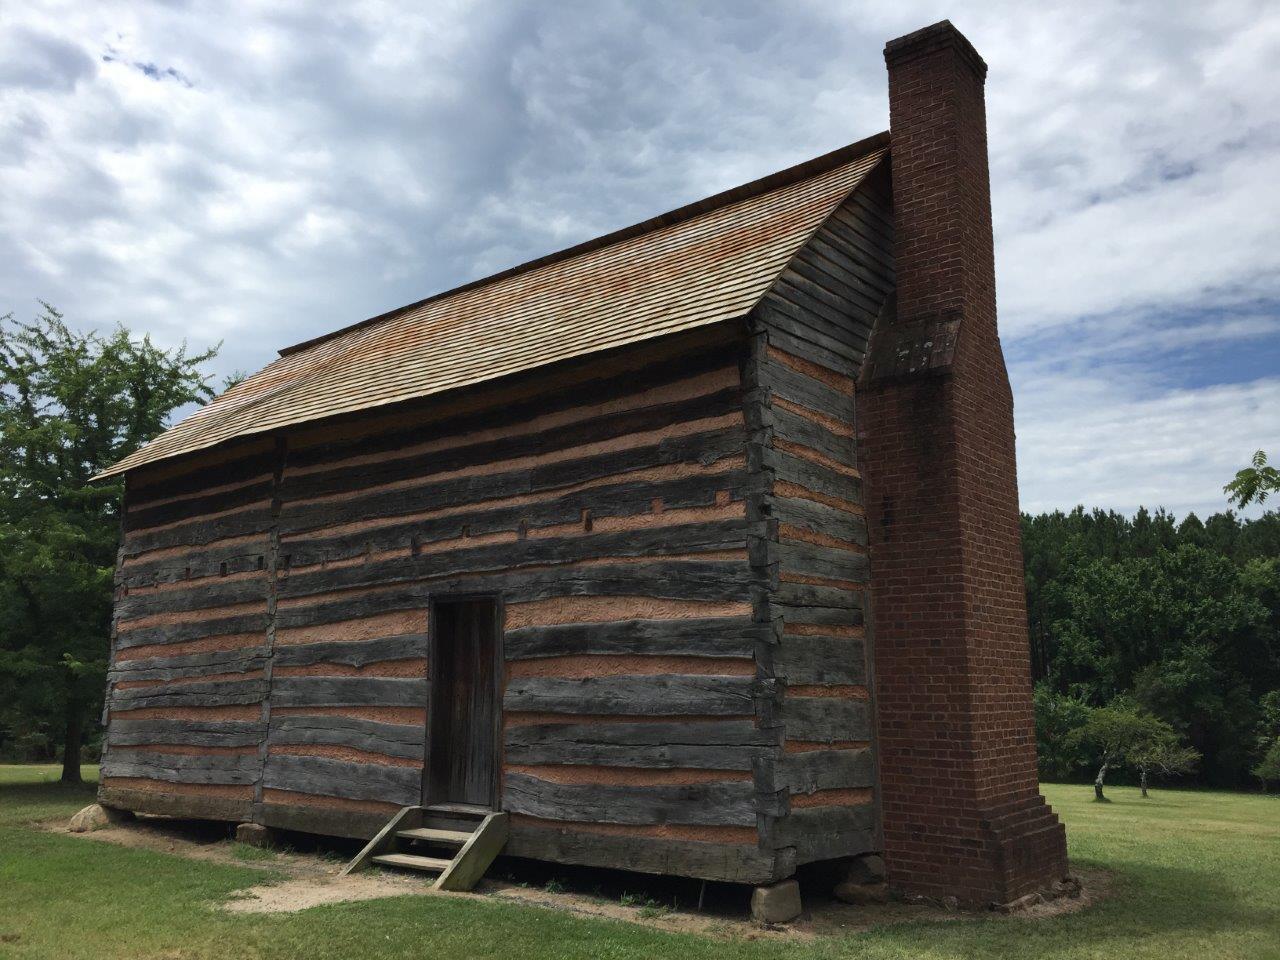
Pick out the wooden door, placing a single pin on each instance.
(463, 722)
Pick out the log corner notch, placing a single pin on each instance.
(961, 805)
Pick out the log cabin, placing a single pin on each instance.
(691, 550)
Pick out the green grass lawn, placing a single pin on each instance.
(1195, 874)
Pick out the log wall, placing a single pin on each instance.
(810, 335)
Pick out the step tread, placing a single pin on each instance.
(466, 809)
(412, 861)
(436, 835)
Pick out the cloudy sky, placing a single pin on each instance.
(231, 172)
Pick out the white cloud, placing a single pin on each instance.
(252, 174)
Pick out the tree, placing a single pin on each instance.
(1118, 732)
(71, 404)
(1268, 767)
(1254, 483)
(1163, 752)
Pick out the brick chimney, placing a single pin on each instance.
(962, 811)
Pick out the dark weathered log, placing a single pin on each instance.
(806, 594)
(825, 770)
(702, 637)
(813, 476)
(392, 739)
(801, 347)
(190, 507)
(676, 580)
(199, 733)
(818, 561)
(806, 391)
(355, 653)
(325, 821)
(825, 833)
(732, 863)
(789, 311)
(214, 660)
(216, 694)
(202, 477)
(688, 538)
(810, 659)
(239, 524)
(181, 768)
(199, 596)
(824, 616)
(809, 433)
(211, 562)
(718, 745)
(636, 695)
(821, 518)
(198, 630)
(826, 719)
(190, 673)
(320, 776)
(731, 803)
(349, 691)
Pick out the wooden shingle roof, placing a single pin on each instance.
(704, 263)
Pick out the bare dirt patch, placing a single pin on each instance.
(311, 880)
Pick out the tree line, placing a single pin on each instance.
(1152, 618)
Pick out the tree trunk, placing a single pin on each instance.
(1097, 783)
(72, 735)
(1143, 780)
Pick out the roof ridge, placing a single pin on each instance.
(799, 171)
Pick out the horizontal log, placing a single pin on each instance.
(820, 518)
(215, 694)
(673, 580)
(356, 653)
(802, 347)
(826, 719)
(690, 538)
(349, 691)
(195, 733)
(141, 518)
(818, 561)
(182, 768)
(701, 637)
(202, 477)
(815, 659)
(217, 661)
(186, 806)
(208, 561)
(813, 476)
(815, 770)
(127, 673)
(715, 745)
(199, 596)
(820, 616)
(321, 820)
(198, 630)
(731, 863)
(636, 695)
(825, 833)
(816, 436)
(242, 523)
(810, 595)
(731, 803)
(786, 309)
(807, 391)
(392, 739)
(320, 776)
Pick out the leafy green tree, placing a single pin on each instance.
(71, 404)
(1118, 731)
(1162, 751)
(1268, 768)
(1058, 716)
(1254, 483)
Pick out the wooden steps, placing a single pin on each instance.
(453, 840)
(411, 861)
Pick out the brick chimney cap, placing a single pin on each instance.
(940, 36)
